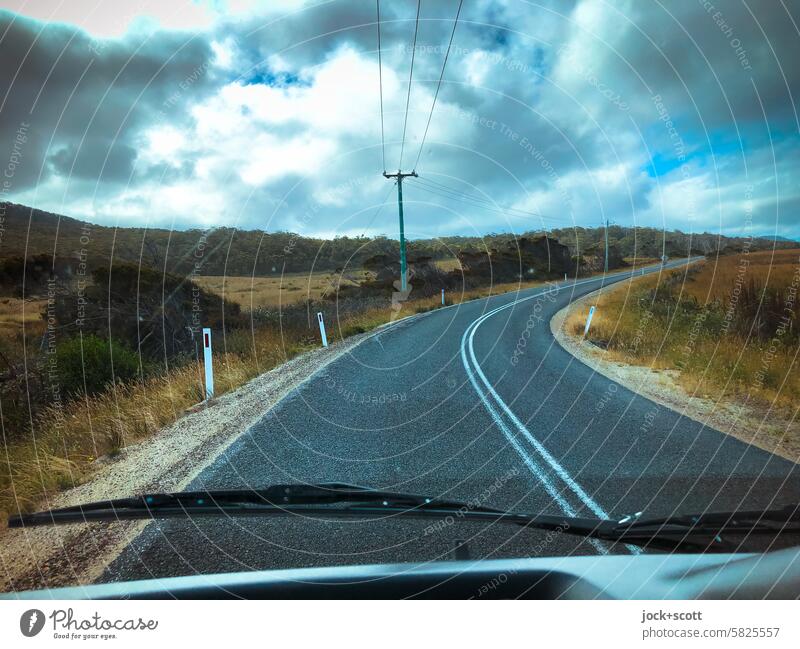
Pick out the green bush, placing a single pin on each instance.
(85, 365)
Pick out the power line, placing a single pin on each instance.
(378, 211)
(410, 76)
(480, 199)
(464, 199)
(459, 194)
(439, 84)
(454, 193)
(380, 82)
(470, 200)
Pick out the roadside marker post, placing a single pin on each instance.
(442, 297)
(207, 361)
(322, 329)
(588, 321)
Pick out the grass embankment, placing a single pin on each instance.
(730, 326)
(253, 292)
(65, 441)
(291, 288)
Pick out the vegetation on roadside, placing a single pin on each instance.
(65, 438)
(97, 353)
(729, 325)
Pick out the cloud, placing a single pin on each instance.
(84, 105)
(682, 116)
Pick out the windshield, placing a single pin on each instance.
(461, 251)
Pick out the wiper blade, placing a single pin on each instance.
(327, 500)
(710, 531)
(705, 532)
(278, 499)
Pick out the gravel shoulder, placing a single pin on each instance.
(753, 425)
(42, 557)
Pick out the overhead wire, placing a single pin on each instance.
(438, 85)
(410, 77)
(459, 193)
(426, 184)
(380, 83)
(378, 211)
(490, 207)
(480, 199)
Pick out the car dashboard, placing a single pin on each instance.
(771, 575)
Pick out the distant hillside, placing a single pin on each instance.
(226, 251)
(777, 237)
(649, 242)
(219, 251)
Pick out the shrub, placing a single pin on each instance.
(84, 364)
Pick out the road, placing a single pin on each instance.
(475, 402)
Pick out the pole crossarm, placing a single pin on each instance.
(401, 175)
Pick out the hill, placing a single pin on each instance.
(28, 232)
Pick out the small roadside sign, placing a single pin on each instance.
(322, 330)
(588, 321)
(207, 361)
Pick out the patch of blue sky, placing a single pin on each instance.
(275, 79)
(679, 150)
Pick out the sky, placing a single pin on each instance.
(267, 115)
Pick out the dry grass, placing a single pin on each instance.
(638, 262)
(254, 292)
(11, 311)
(677, 322)
(67, 441)
(16, 314)
(447, 265)
(766, 267)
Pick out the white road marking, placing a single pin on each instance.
(532, 465)
(467, 342)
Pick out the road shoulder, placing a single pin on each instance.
(757, 426)
(48, 557)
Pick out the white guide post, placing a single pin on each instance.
(442, 297)
(207, 361)
(322, 329)
(588, 321)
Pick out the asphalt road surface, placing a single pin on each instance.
(475, 402)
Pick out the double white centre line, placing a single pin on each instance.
(540, 457)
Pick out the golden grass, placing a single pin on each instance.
(713, 362)
(447, 265)
(66, 441)
(254, 292)
(638, 262)
(296, 287)
(765, 267)
(11, 310)
(14, 313)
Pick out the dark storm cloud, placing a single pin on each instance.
(651, 113)
(85, 100)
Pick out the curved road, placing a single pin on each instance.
(475, 402)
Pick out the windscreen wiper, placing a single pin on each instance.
(707, 532)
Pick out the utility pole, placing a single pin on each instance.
(403, 271)
(605, 266)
